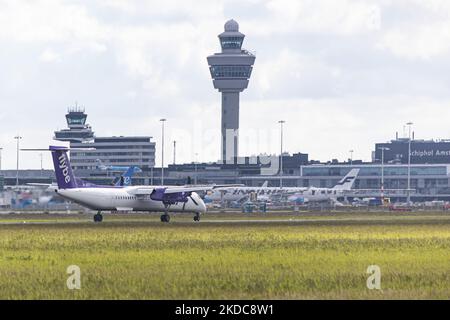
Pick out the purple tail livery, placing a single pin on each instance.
(63, 170)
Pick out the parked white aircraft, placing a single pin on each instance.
(124, 198)
(263, 193)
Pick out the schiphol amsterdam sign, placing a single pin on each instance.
(430, 153)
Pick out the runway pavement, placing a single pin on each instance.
(223, 219)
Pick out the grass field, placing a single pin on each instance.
(295, 257)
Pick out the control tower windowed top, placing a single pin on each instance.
(231, 71)
(231, 42)
(80, 120)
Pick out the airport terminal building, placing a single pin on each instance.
(422, 151)
(114, 151)
(111, 151)
(431, 181)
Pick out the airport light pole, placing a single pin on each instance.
(195, 166)
(174, 150)
(409, 124)
(351, 157)
(162, 150)
(1, 158)
(151, 175)
(17, 163)
(281, 122)
(40, 156)
(382, 171)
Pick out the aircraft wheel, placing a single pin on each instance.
(196, 218)
(98, 217)
(165, 218)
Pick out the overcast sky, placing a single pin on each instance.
(343, 74)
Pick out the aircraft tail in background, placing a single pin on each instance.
(100, 164)
(347, 182)
(125, 179)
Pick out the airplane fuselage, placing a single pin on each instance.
(237, 194)
(316, 195)
(120, 199)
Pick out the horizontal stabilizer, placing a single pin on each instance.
(58, 148)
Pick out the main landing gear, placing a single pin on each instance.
(98, 217)
(165, 217)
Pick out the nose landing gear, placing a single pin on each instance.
(197, 217)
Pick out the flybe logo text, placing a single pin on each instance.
(63, 166)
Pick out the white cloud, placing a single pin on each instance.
(423, 32)
(421, 42)
(43, 21)
(327, 16)
(49, 55)
(290, 73)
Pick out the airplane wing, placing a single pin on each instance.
(177, 189)
(170, 190)
(167, 190)
(226, 186)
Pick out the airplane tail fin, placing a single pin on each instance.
(63, 171)
(100, 164)
(265, 184)
(125, 179)
(347, 182)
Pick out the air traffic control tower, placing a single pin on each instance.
(231, 70)
(79, 130)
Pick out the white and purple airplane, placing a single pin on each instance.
(125, 198)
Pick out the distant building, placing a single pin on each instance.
(114, 151)
(26, 176)
(111, 151)
(422, 151)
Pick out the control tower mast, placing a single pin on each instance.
(230, 70)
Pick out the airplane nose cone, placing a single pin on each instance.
(198, 203)
(203, 206)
